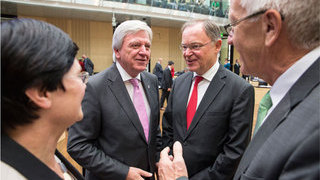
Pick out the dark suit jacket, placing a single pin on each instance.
(88, 65)
(158, 71)
(110, 138)
(236, 68)
(221, 127)
(27, 164)
(166, 79)
(286, 146)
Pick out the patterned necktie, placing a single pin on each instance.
(140, 107)
(264, 106)
(192, 106)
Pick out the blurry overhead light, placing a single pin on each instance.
(114, 23)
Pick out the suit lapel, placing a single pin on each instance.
(117, 87)
(213, 90)
(182, 100)
(277, 116)
(296, 94)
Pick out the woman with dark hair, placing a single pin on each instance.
(42, 90)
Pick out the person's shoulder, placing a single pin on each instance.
(8, 172)
(103, 75)
(183, 76)
(234, 78)
(150, 75)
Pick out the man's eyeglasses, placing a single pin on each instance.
(229, 27)
(193, 46)
(84, 76)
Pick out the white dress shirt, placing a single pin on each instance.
(204, 84)
(126, 77)
(284, 82)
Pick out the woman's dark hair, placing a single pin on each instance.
(33, 54)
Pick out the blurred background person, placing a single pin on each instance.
(166, 83)
(88, 64)
(236, 67)
(42, 90)
(158, 71)
(172, 72)
(82, 64)
(227, 64)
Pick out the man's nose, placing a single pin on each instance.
(188, 52)
(143, 49)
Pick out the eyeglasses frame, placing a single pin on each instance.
(188, 46)
(245, 18)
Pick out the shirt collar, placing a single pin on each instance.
(210, 73)
(291, 75)
(124, 75)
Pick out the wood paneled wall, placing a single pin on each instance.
(94, 39)
(165, 44)
(175, 54)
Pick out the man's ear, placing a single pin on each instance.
(41, 99)
(218, 45)
(117, 53)
(272, 26)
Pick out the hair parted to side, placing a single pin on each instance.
(302, 18)
(33, 54)
(210, 27)
(125, 28)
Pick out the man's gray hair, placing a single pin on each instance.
(125, 28)
(210, 27)
(301, 17)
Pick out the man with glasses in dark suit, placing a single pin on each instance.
(210, 108)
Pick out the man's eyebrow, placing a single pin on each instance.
(132, 42)
(192, 43)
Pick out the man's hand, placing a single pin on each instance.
(137, 174)
(179, 165)
(165, 170)
(171, 168)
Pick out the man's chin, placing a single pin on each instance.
(192, 68)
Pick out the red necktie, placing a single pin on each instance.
(192, 106)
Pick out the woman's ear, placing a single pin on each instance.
(40, 98)
(272, 26)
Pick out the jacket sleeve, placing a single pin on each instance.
(82, 142)
(238, 138)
